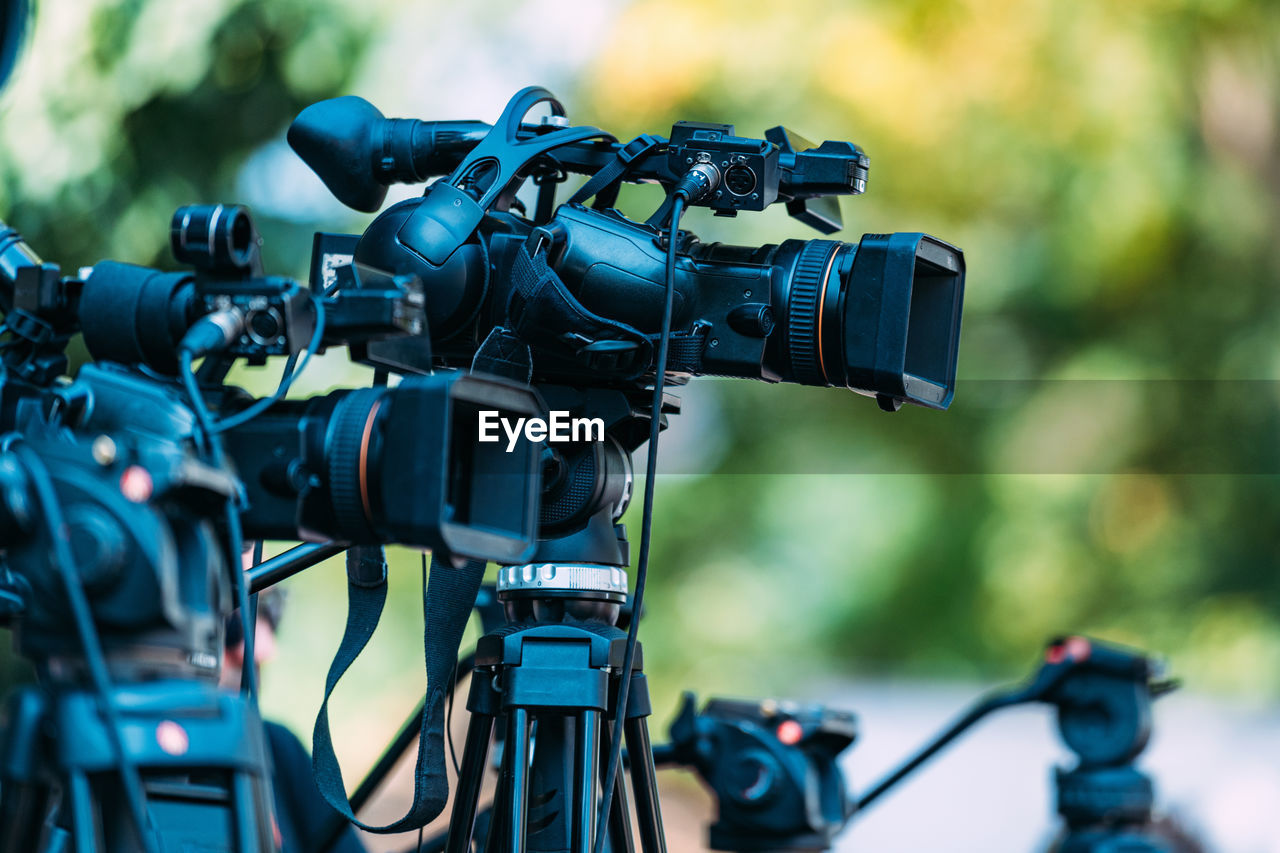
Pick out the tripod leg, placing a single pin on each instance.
(83, 827)
(475, 753)
(644, 780)
(517, 805)
(586, 754)
(497, 812)
(250, 815)
(25, 793)
(619, 818)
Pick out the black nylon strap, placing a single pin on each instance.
(684, 351)
(660, 215)
(544, 313)
(603, 184)
(446, 607)
(504, 354)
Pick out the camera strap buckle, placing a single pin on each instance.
(604, 183)
(642, 144)
(28, 326)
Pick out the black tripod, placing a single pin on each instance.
(1104, 717)
(551, 674)
(1102, 694)
(547, 673)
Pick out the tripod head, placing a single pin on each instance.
(1104, 717)
(1102, 694)
(772, 767)
(138, 505)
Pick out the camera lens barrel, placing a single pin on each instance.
(881, 317)
(350, 442)
(131, 314)
(214, 238)
(402, 464)
(806, 292)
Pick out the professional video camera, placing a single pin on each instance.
(601, 312)
(366, 466)
(584, 286)
(116, 578)
(591, 305)
(120, 518)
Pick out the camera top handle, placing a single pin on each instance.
(357, 152)
(493, 170)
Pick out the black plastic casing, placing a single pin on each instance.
(152, 564)
(880, 317)
(900, 318)
(395, 465)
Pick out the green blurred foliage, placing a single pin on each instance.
(121, 111)
(1110, 462)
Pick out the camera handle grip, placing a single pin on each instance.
(450, 214)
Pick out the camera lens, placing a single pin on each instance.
(881, 317)
(352, 442)
(806, 320)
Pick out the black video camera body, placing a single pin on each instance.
(368, 466)
(138, 506)
(583, 287)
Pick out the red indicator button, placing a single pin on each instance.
(172, 738)
(1072, 648)
(789, 732)
(135, 484)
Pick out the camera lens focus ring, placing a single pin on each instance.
(346, 461)
(812, 267)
